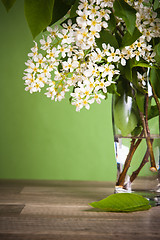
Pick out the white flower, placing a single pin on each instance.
(122, 56)
(53, 32)
(103, 13)
(34, 52)
(95, 25)
(150, 57)
(29, 88)
(85, 103)
(72, 80)
(97, 55)
(107, 3)
(41, 79)
(142, 78)
(93, 11)
(69, 25)
(33, 68)
(70, 59)
(148, 34)
(77, 93)
(70, 64)
(113, 56)
(107, 70)
(151, 19)
(82, 19)
(59, 96)
(41, 60)
(129, 52)
(81, 34)
(45, 44)
(138, 55)
(97, 97)
(90, 83)
(78, 105)
(46, 71)
(91, 70)
(63, 50)
(65, 36)
(83, 4)
(102, 84)
(51, 93)
(36, 87)
(52, 53)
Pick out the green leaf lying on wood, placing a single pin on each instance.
(122, 202)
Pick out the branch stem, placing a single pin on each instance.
(133, 147)
(157, 102)
(144, 161)
(148, 140)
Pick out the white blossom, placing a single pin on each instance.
(69, 58)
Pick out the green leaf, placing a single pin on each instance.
(122, 202)
(106, 37)
(128, 39)
(38, 14)
(136, 131)
(127, 13)
(112, 89)
(124, 119)
(74, 9)
(69, 2)
(135, 81)
(126, 71)
(143, 64)
(140, 100)
(157, 50)
(156, 4)
(61, 7)
(112, 22)
(153, 112)
(155, 80)
(8, 4)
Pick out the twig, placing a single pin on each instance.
(119, 29)
(148, 140)
(157, 102)
(133, 148)
(146, 113)
(144, 161)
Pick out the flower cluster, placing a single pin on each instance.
(146, 20)
(68, 58)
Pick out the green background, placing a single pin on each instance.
(41, 139)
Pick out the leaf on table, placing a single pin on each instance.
(122, 202)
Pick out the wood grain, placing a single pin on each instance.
(59, 210)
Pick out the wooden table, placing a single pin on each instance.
(59, 210)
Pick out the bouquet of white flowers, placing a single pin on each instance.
(104, 47)
(87, 54)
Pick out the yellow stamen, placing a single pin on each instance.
(35, 69)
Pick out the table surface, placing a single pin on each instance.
(59, 210)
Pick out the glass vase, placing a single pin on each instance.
(137, 146)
